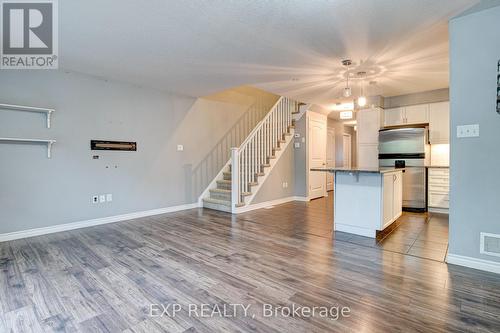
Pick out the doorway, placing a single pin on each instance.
(317, 154)
(347, 150)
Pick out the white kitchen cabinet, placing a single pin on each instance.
(366, 201)
(408, 115)
(416, 114)
(392, 198)
(439, 123)
(393, 117)
(438, 190)
(368, 124)
(368, 156)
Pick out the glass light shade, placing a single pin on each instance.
(347, 92)
(362, 101)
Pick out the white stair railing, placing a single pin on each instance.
(248, 160)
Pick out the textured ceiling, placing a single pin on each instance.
(292, 48)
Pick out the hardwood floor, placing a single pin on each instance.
(104, 279)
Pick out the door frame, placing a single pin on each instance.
(350, 149)
(330, 130)
(320, 117)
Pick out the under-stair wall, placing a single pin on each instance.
(251, 164)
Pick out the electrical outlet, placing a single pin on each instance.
(468, 131)
(180, 148)
(297, 135)
(109, 197)
(102, 198)
(95, 199)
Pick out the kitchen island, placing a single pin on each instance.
(366, 200)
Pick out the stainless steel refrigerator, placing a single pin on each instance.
(407, 147)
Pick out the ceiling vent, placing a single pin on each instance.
(490, 244)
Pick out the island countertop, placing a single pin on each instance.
(380, 170)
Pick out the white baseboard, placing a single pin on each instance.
(438, 210)
(304, 199)
(266, 204)
(89, 223)
(481, 264)
(355, 230)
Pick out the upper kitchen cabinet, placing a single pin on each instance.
(409, 115)
(439, 124)
(393, 117)
(417, 114)
(368, 125)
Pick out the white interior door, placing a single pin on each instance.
(330, 157)
(347, 150)
(317, 156)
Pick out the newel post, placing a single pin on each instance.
(235, 178)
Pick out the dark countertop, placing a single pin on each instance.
(380, 170)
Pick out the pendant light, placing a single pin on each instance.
(362, 97)
(347, 92)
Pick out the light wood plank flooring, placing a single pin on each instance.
(103, 279)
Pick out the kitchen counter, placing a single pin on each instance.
(437, 167)
(380, 170)
(366, 200)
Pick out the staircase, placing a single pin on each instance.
(250, 164)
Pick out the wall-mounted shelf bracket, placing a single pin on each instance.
(11, 107)
(49, 143)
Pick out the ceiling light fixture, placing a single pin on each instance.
(362, 97)
(347, 92)
(346, 106)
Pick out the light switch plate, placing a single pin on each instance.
(297, 144)
(303, 139)
(109, 197)
(102, 198)
(180, 148)
(468, 131)
(297, 135)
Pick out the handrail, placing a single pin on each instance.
(256, 128)
(258, 148)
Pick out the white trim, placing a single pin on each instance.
(304, 199)
(438, 210)
(270, 203)
(351, 229)
(481, 243)
(481, 264)
(89, 223)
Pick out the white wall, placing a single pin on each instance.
(475, 162)
(38, 192)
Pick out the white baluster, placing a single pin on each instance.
(235, 175)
